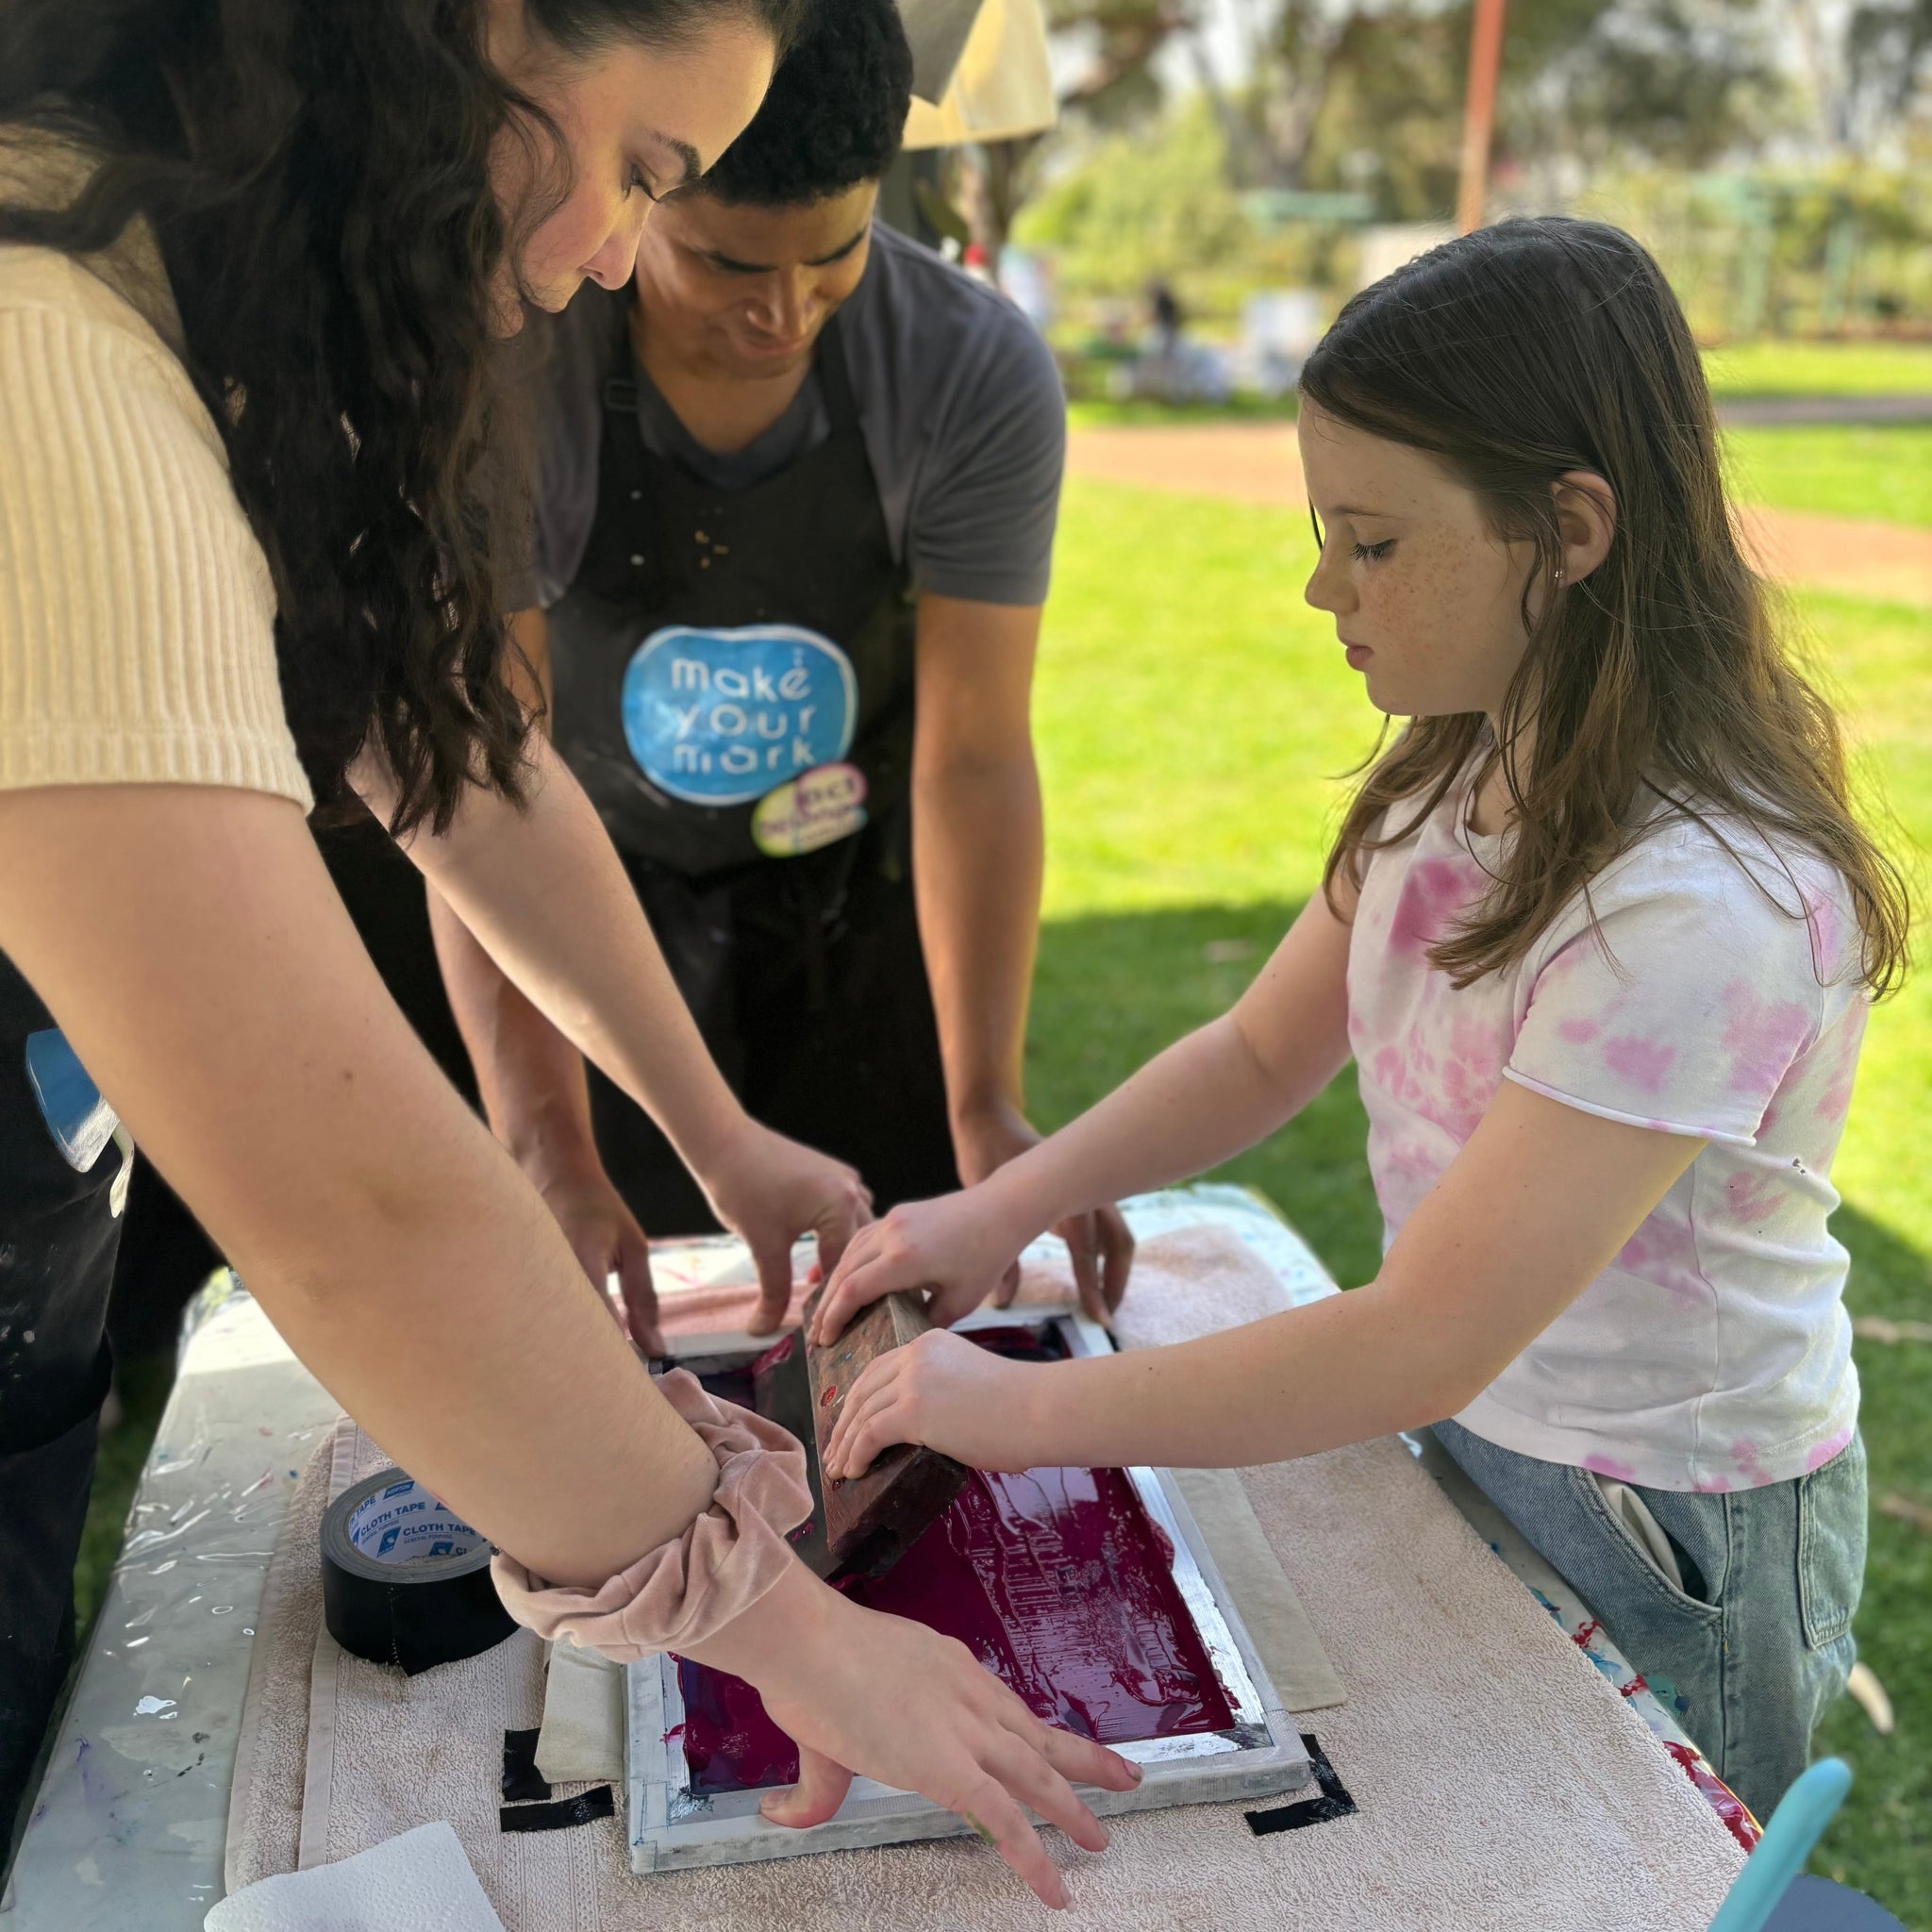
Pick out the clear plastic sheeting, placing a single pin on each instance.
(127, 1827)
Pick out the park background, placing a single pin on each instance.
(1195, 719)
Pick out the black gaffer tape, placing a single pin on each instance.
(1335, 1801)
(522, 1780)
(559, 1814)
(405, 1580)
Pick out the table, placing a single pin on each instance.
(134, 1804)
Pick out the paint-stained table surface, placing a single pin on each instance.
(125, 1834)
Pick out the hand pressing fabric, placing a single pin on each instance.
(899, 1703)
(606, 1240)
(770, 1191)
(948, 1392)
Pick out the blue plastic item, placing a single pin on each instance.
(1795, 1826)
(80, 1121)
(1821, 1904)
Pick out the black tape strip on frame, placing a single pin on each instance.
(522, 1780)
(560, 1813)
(1334, 1802)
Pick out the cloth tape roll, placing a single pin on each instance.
(405, 1580)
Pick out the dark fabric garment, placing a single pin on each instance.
(58, 1237)
(807, 982)
(806, 974)
(669, 555)
(389, 903)
(43, 1495)
(166, 1254)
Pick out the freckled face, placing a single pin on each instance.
(636, 120)
(1427, 602)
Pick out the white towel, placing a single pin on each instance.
(1503, 1786)
(420, 1880)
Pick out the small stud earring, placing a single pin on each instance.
(1557, 574)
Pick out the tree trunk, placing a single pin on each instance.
(993, 188)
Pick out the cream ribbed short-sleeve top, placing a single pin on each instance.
(137, 612)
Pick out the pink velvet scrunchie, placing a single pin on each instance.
(684, 1591)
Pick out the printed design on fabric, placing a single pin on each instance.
(813, 811)
(722, 716)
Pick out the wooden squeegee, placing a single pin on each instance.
(870, 1521)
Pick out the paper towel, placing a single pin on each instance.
(420, 1880)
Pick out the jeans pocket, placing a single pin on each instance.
(1584, 1485)
(1831, 1544)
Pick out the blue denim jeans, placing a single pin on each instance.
(1757, 1641)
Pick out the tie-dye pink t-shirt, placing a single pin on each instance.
(1715, 1353)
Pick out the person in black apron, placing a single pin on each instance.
(804, 968)
(798, 471)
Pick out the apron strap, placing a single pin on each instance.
(835, 382)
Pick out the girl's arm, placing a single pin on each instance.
(1534, 1206)
(543, 892)
(1209, 1096)
(189, 943)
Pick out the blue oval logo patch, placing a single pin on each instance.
(721, 717)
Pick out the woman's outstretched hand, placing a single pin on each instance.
(947, 1392)
(862, 1693)
(771, 1192)
(957, 1246)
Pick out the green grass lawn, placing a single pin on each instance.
(1821, 369)
(1739, 370)
(1877, 470)
(1192, 716)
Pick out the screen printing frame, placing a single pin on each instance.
(671, 1828)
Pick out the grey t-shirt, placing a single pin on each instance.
(958, 399)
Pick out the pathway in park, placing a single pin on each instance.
(1257, 464)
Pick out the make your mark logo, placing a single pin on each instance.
(721, 716)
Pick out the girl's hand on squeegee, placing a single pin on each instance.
(948, 1392)
(771, 1190)
(960, 1246)
(871, 1694)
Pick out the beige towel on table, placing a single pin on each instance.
(1500, 1782)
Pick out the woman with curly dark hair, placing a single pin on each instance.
(256, 264)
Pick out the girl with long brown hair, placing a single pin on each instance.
(1600, 932)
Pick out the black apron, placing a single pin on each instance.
(58, 1238)
(714, 645)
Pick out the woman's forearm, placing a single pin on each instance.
(189, 943)
(543, 892)
(530, 1077)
